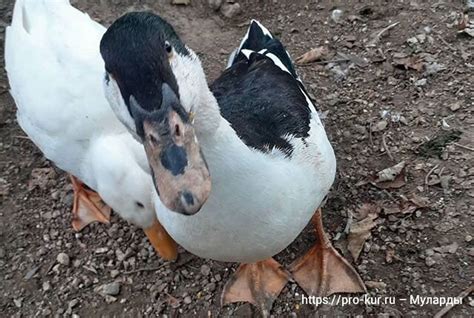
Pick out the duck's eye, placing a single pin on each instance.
(168, 47)
(139, 204)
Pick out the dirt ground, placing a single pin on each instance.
(383, 97)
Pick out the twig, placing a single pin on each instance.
(462, 146)
(350, 219)
(370, 135)
(146, 269)
(378, 35)
(429, 174)
(384, 143)
(21, 137)
(461, 296)
(446, 43)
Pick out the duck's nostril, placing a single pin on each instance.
(187, 198)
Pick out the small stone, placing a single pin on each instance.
(433, 68)
(470, 251)
(412, 41)
(2, 253)
(110, 299)
(101, 250)
(455, 106)
(63, 259)
(205, 270)
(112, 289)
(215, 4)
(18, 302)
(429, 261)
(188, 300)
(73, 303)
(211, 287)
(114, 273)
(336, 15)
(381, 125)
(452, 248)
(46, 286)
(444, 180)
(230, 10)
(374, 284)
(420, 82)
(468, 238)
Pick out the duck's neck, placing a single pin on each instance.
(211, 128)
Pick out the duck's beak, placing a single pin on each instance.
(180, 172)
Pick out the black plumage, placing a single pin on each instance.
(263, 103)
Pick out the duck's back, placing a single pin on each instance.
(55, 74)
(261, 96)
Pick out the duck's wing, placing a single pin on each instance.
(55, 73)
(261, 94)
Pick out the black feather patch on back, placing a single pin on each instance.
(257, 40)
(263, 103)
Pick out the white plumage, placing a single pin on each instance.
(55, 72)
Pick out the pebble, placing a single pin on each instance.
(114, 273)
(2, 253)
(188, 300)
(215, 4)
(112, 289)
(73, 303)
(470, 251)
(110, 299)
(46, 286)
(455, 106)
(468, 238)
(336, 15)
(381, 125)
(421, 82)
(230, 10)
(205, 270)
(211, 287)
(18, 302)
(429, 261)
(63, 259)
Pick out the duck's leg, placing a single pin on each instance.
(88, 207)
(164, 245)
(257, 283)
(322, 271)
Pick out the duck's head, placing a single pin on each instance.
(139, 50)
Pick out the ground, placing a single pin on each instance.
(382, 103)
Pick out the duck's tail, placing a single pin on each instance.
(258, 39)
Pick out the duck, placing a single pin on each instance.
(55, 73)
(240, 166)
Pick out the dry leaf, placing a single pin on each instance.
(358, 234)
(313, 55)
(41, 178)
(390, 178)
(365, 209)
(410, 62)
(391, 173)
(406, 207)
(373, 284)
(419, 201)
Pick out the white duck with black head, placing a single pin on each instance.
(254, 133)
